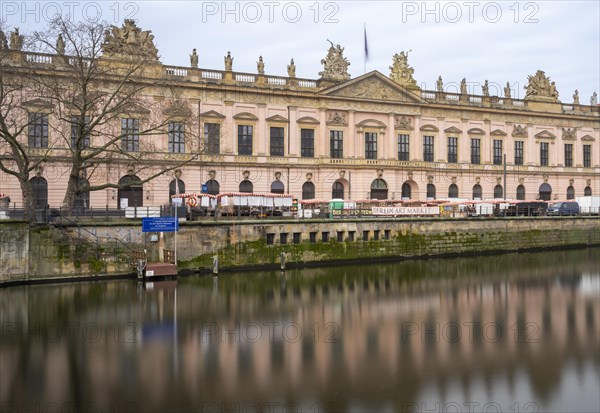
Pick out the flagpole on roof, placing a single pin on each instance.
(366, 47)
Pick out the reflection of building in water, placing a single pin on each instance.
(397, 334)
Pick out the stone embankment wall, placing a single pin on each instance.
(32, 253)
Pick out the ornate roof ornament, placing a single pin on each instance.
(576, 97)
(228, 61)
(129, 42)
(401, 72)
(335, 65)
(260, 66)
(485, 89)
(291, 69)
(337, 118)
(594, 99)
(541, 88)
(16, 40)
(194, 59)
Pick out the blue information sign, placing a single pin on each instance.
(163, 224)
(204, 188)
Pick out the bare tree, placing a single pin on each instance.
(110, 104)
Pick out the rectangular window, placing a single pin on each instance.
(544, 153)
(325, 236)
(38, 130)
(297, 237)
(76, 127)
(376, 235)
(130, 134)
(336, 143)
(497, 152)
(452, 150)
(351, 235)
(568, 154)
(270, 239)
(428, 148)
(307, 143)
(312, 237)
(587, 156)
(244, 140)
(176, 132)
(283, 237)
(370, 145)
(518, 152)
(340, 236)
(212, 138)
(475, 151)
(365, 235)
(403, 148)
(277, 141)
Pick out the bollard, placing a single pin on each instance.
(215, 264)
(282, 261)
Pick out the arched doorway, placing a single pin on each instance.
(39, 186)
(379, 189)
(131, 192)
(498, 194)
(587, 191)
(213, 187)
(82, 199)
(308, 190)
(246, 186)
(337, 190)
(545, 192)
(430, 191)
(570, 192)
(277, 187)
(521, 193)
(477, 191)
(453, 191)
(406, 191)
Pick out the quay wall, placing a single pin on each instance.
(34, 253)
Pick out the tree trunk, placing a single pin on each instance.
(28, 201)
(72, 186)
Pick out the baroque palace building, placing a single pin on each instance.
(373, 136)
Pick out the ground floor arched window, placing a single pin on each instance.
(521, 193)
(131, 192)
(545, 192)
(246, 186)
(39, 186)
(337, 190)
(453, 191)
(587, 191)
(379, 189)
(430, 191)
(477, 191)
(308, 190)
(498, 193)
(406, 191)
(277, 187)
(213, 187)
(176, 186)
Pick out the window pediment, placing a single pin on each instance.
(134, 109)
(429, 128)
(212, 114)
(276, 118)
(452, 129)
(545, 134)
(39, 105)
(308, 120)
(371, 123)
(177, 109)
(498, 132)
(476, 131)
(245, 116)
(588, 138)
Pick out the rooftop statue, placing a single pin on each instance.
(291, 69)
(401, 72)
(594, 99)
(439, 84)
(260, 66)
(129, 41)
(507, 91)
(463, 86)
(576, 97)
(539, 87)
(335, 65)
(228, 61)
(194, 59)
(60, 44)
(485, 88)
(16, 40)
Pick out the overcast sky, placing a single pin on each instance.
(495, 40)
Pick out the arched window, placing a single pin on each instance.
(406, 191)
(172, 188)
(213, 187)
(82, 199)
(430, 191)
(521, 193)
(477, 191)
(277, 187)
(39, 186)
(498, 194)
(453, 191)
(131, 189)
(570, 192)
(308, 190)
(379, 189)
(246, 186)
(337, 190)
(545, 192)
(587, 191)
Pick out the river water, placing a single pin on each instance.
(515, 333)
